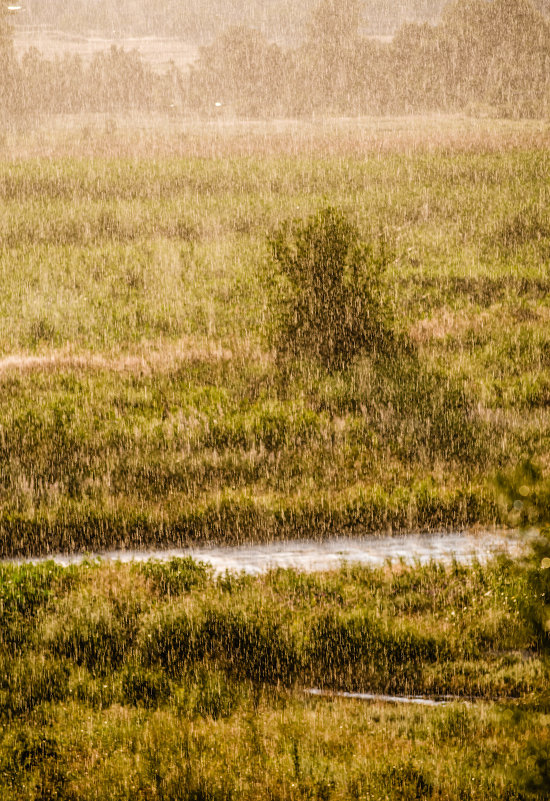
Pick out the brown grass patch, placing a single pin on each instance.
(448, 323)
(153, 136)
(151, 358)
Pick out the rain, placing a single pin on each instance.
(275, 400)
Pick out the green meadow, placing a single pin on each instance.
(160, 680)
(152, 394)
(143, 398)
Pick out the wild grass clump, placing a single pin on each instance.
(30, 681)
(33, 763)
(143, 687)
(526, 227)
(177, 576)
(356, 650)
(94, 632)
(213, 695)
(25, 590)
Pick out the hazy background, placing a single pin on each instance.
(276, 59)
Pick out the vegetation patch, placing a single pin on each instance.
(124, 679)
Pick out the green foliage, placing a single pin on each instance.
(335, 310)
(526, 492)
(177, 576)
(143, 687)
(142, 409)
(96, 633)
(355, 648)
(29, 681)
(206, 700)
(214, 696)
(32, 761)
(240, 72)
(24, 590)
(405, 780)
(334, 70)
(534, 770)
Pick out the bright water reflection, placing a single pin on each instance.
(311, 555)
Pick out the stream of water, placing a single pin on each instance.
(312, 555)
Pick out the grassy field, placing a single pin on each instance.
(161, 681)
(142, 400)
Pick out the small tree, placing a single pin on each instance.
(334, 307)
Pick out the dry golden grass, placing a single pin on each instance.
(143, 359)
(150, 136)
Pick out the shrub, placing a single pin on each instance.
(26, 683)
(142, 687)
(24, 590)
(94, 634)
(334, 307)
(33, 764)
(525, 494)
(250, 646)
(170, 641)
(214, 697)
(355, 651)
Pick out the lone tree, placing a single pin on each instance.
(334, 307)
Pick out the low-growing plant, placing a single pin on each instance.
(214, 696)
(33, 759)
(29, 681)
(177, 576)
(143, 687)
(94, 634)
(525, 491)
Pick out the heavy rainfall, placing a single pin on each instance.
(275, 400)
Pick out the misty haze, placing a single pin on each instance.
(275, 400)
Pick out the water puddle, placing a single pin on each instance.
(330, 554)
(377, 697)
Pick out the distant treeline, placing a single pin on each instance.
(482, 56)
(199, 21)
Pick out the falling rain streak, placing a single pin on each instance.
(274, 400)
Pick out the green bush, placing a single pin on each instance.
(525, 494)
(95, 635)
(33, 764)
(250, 646)
(214, 697)
(333, 306)
(142, 687)
(28, 682)
(170, 641)
(356, 651)
(24, 590)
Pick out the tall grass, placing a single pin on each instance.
(165, 680)
(141, 400)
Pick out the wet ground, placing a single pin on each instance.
(310, 555)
